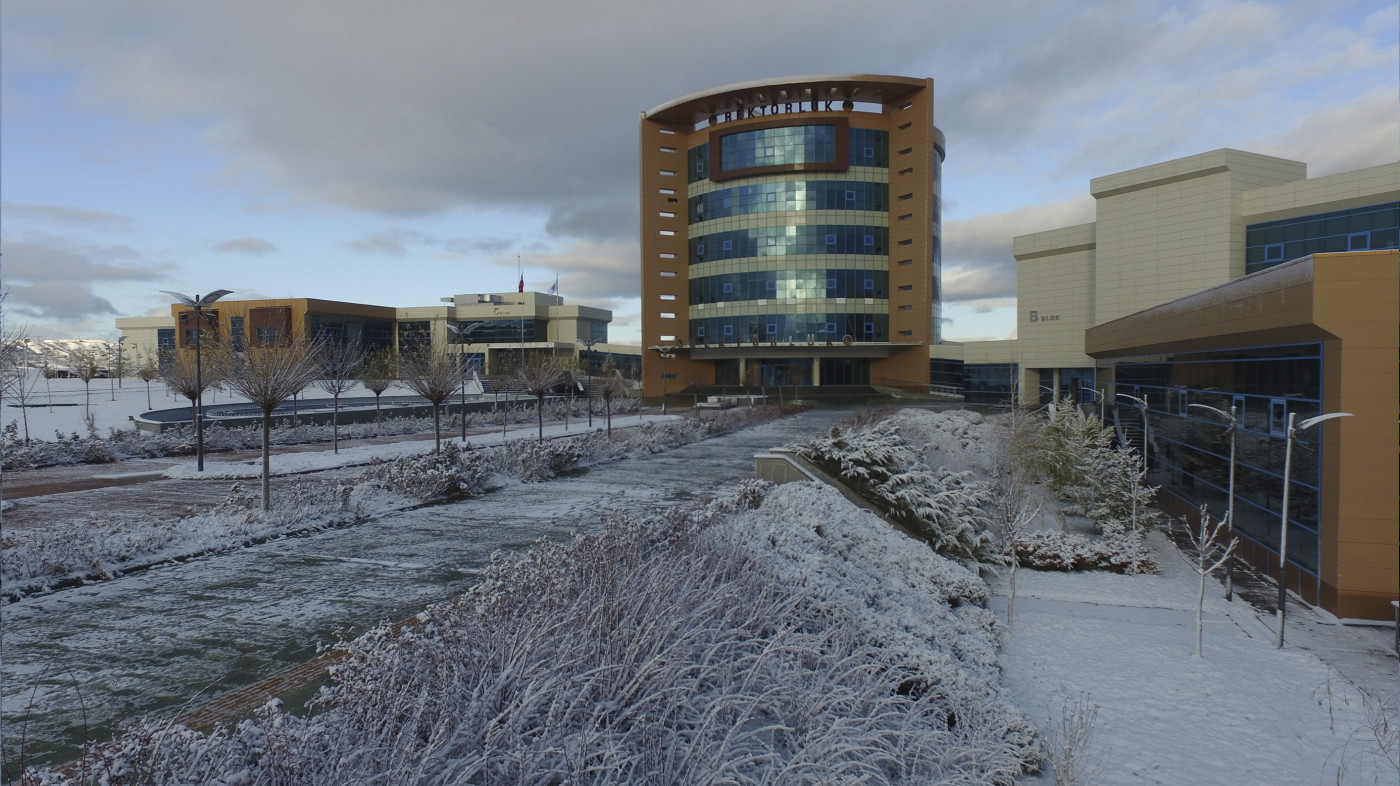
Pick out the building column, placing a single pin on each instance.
(816, 372)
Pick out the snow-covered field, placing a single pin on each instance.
(785, 635)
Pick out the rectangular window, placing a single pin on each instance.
(729, 245)
(1360, 241)
(906, 151)
(831, 240)
(907, 171)
(869, 152)
(1278, 417)
(869, 283)
(668, 233)
(668, 315)
(850, 196)
(728, 288)
(668, 274)
(772, 241)
(668, 150)
(906, 332)
(905, 262)
(668, 338)
(668, 132)
(831, 283)
(869, 328)
(699, 249)
(831, 328)
(668, 191)
(906, 287)
(772, 285)
(700, 331)
(906, 216)
(906, 125)
(905, 197)
(869, 240)
(1273, 253)
(667, 214)
(668, 297)
(668, 173)
(906, 308)
(667, 255)
(728, 330)
(907, 242)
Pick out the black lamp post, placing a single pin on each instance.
(588, 347)
(461, 333)
(199, 304)
(1232, 418)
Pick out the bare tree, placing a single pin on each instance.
(338, 364)
(1069, 742)
(538, 377)
(148, 370)
(1011, 514)
(84, 362)
(19, 384)
(178, 369)
(610, 384)
(380, 369)
(1211, 552)
(433, 374)
(267, 375)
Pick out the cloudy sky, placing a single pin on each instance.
(398, 152)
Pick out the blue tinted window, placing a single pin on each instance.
(788, 284)
(778, 146)
(789, 195)
(780, 240)
(1272, 242)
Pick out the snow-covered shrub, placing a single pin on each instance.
(1074, 456)
(679, 650)
(947, 509)
(1053, 550)
(447, 473)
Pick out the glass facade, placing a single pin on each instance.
(778, 146)
(511, 331)
(1360, 229)
(789, 145)
(990, 384)
(1189, 448)
(784, 284)
(369, 333)
(784, 327)
(781, 240)
(790, 195)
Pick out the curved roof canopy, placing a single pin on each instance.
(870, 88)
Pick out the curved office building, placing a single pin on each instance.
(790, 233)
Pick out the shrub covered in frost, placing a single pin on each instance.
(1052, 550)
(681, 650)
(947, 509)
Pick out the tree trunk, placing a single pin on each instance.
(148, 394)
(539, 412)
(376, 408)
(437, 430)
(335, 424)
(267, 460)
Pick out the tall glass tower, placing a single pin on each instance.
(791, 233)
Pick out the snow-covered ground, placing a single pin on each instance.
(1245, 713)
(114, 407)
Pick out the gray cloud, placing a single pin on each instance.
(977, 259)
(70, 216)
(247, 245)
(51, 277)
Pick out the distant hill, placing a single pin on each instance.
(59, 353)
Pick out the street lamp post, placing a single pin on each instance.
(1233, 419)
(199, 304)
(588, 347)
(120, 341)
(1283, 514)
(462, 333)
(665, 356)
